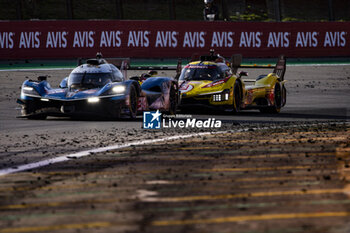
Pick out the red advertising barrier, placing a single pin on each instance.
(170, 39)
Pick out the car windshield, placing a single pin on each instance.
(88, 80)
(200, 73)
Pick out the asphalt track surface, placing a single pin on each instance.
(266, 173)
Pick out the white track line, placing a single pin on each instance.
(68, 157)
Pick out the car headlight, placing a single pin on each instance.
(118, 89)
(26, 88)
(29, 90)
(223, 96)
(217, 97)
(93, 100)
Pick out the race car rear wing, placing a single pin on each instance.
(125, 65)
(279, 68)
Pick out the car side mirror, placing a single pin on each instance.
(136, 78)
(242, 73)
(42, 78)
(64, 83)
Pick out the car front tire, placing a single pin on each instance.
(132, 102)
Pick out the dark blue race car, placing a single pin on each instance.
(98, 88)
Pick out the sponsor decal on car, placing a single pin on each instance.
(185, 88)
(54, 91)
(91, 91)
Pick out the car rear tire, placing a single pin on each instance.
(284, 96)
(276, 108)
(237, 94)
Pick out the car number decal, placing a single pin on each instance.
(185, 88)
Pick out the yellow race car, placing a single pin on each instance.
(213, 82)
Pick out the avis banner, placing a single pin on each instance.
(170, 39)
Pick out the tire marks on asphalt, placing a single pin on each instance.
(152, 198)
(263, 217)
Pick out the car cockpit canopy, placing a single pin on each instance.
(96, 73)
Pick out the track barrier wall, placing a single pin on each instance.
(170, 39)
